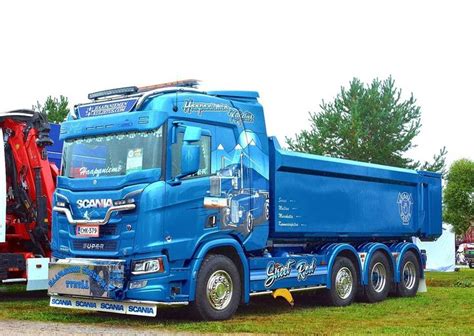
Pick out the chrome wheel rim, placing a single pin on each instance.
(409, 275)
(378, 276)
(343, 283)
(219, 290)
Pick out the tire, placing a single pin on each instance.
(409, 275)
(343, 283)
(380, 279)
(218, 289)
(471, 265)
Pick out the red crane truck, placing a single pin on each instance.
(27, 179)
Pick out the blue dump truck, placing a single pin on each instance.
(169, 195)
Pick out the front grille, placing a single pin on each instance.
(94, 245)
(107, 230)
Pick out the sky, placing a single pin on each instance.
(294, 53)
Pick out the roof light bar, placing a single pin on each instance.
(192, 83)
(113, 92)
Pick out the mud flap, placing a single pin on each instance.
(284, 293)
(422, 286)
(94, 304)
(37, 273)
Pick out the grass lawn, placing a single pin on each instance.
(445, 309)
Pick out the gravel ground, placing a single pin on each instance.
(27, 328)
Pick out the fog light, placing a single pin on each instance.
(138, 284)
(148, 266)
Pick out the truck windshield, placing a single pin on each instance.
(112, 154)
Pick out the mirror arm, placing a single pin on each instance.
(174, 182)
(177, 179)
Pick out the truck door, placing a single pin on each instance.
(185, 216)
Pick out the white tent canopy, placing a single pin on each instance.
(442, 252)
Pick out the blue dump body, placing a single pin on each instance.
(317, 197)
(178, 196)
(55, 150)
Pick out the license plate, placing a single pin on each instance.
(87, 230)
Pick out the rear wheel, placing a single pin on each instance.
(379, 281)
(343, 283)
(218, 289)
(409, 275)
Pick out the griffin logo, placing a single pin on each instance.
(405, 207)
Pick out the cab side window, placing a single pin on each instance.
(205, 157)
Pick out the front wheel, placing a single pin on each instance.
(343, 283)
(218, 289)
(409, 275)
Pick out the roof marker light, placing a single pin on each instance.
(113, 92)
(192, 83)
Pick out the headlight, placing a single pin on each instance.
(61, 204)
(124, 201)
(148, 266)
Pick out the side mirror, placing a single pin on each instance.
(190, 159)
(190, 153)
(192, 134)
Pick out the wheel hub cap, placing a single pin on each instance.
(344, 283)
(409, 275)
(379, 277)
(219, 290)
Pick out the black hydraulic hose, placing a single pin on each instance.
(41, 229)
(23, 205)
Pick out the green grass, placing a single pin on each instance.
(445, 309)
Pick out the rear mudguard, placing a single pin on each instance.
(332, 251)
(369, 249)
(400, 249)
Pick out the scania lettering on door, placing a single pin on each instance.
(94, 203)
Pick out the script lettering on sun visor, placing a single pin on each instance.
(110, 107)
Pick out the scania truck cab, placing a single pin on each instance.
(169, 195)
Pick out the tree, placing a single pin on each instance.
(56, 109)
(370, 123)
(459, 196)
